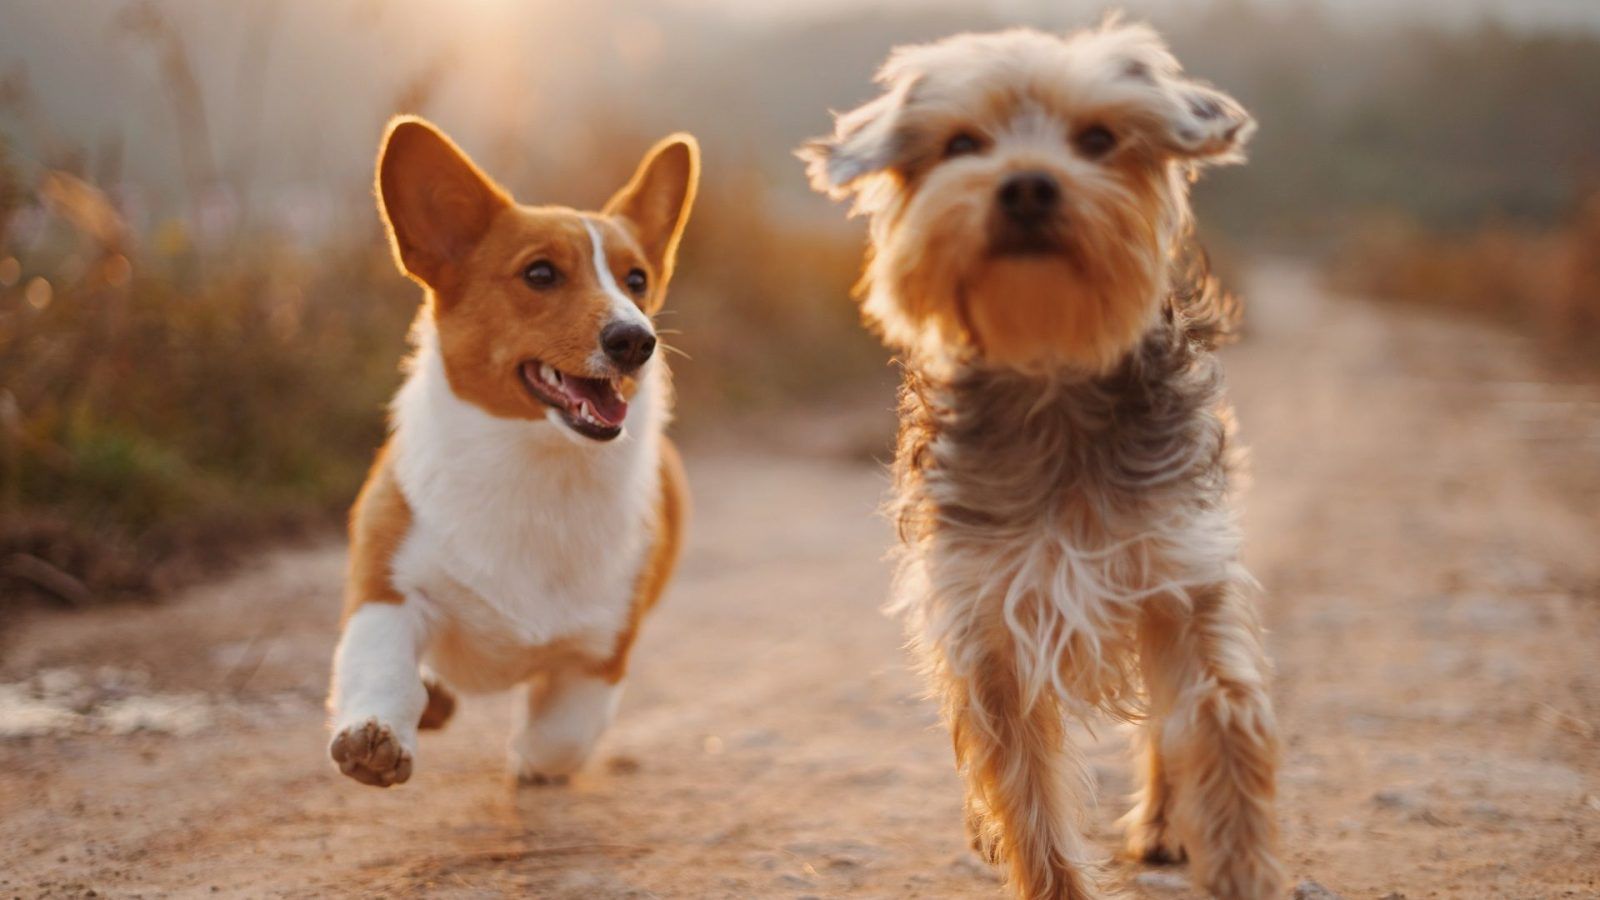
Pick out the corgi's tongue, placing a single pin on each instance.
(605, 405)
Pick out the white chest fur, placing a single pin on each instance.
(523, 533)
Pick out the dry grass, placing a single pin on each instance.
(1546, 282)
(160, 405)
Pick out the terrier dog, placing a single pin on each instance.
(526, 512)
(1065, 448)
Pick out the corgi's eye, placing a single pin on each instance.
(541, 275)
(636, 280)
(963, 144)
(1095, 141)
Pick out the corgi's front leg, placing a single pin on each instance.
(559, 723)
(378, 695)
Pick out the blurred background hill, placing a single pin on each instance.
(199, 324)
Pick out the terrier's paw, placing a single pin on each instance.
(371, 753)
(1253, 873)
(983, 834)
(1153, 842)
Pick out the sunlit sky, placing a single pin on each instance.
(1526, 12)
(294, 91)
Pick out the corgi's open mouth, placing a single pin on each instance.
(593, 407)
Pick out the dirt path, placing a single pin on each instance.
(1423, 517)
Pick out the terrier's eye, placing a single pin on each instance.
(1095, 141)
(636, 280)
(541, 275)
(962, 144)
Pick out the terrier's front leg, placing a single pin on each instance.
(378, 696)
(560, 723)
(1219, 744)
(1151, 836)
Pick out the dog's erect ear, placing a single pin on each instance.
(864, 142)
(1203, 124)
(436, 203)
(658, 198)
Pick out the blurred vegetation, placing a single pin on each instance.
(1543, 281)
(174, 389)
(160, 405)
(1448, 128)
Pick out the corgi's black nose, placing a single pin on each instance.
(1028, 198)
(628, 345)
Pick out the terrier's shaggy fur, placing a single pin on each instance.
(1065, 448)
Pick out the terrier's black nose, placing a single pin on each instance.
(628, 345)
(1029, 198)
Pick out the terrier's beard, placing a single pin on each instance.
(1039, 313)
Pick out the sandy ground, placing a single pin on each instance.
(1423, 518)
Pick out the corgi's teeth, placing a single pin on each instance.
(549, 375)
(585, 414)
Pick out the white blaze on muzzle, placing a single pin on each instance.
(622, 308)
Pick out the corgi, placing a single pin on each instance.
(527, 509)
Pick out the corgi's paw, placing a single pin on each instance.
(441, 705)
(539, 779)
(371, 753)
(561, 725)
(546, 762)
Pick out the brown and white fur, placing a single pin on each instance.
(527, 509)
(1062, 475)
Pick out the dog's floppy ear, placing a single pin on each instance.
(1181, 117)
(658, 198)
(1203, 124)
(435, 202)
(864, 142)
